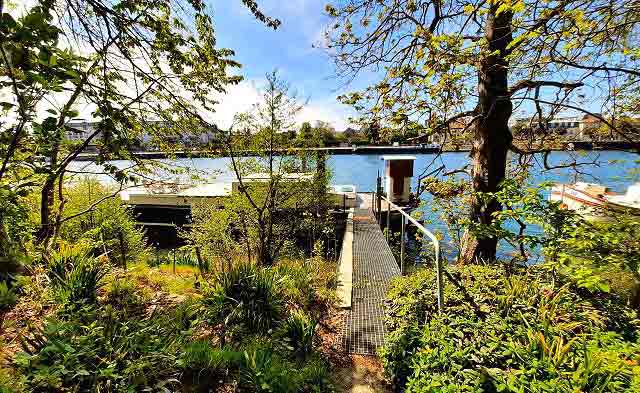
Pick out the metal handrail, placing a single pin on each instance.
(430, 235)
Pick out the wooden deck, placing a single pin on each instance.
(374, 266)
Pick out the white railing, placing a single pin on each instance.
(376, 202)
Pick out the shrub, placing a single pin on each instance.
(314, 376)
(123, 295)
(76, 274)
(200, 355)
(8, 296)
(298, 332)
(105, 225)
(263, 369)
(205, 367)
(100, 350)
(308, 283)
(9, 382)
(245, 297)
(503, 332)
(297, 286)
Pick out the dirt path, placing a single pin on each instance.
(362, 374)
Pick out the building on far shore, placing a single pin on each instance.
(79, 130)
(572, 127)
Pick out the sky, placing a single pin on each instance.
(289, 49)
(295, 49)
(260, 49)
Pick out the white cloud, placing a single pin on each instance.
(242, 97)
(238, 99)
(331, 112)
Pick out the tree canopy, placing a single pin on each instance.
(442, 60)
(137, 66)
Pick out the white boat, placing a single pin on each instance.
(595, 201)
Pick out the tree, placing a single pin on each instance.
(277, 192)
(306, 136)
(448, 59)
(130, 61)
(372, 132)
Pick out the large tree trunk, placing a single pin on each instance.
(47, 200)
(492, 137)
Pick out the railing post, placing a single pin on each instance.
(379, 201)
(402, 245)
(388, 219)
(373, 203)
(439, 282)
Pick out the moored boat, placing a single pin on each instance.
(595, 201)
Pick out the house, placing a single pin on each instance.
(572, 127)
(78, 130)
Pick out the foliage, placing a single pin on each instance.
(274, 190)
(126, 62)
(8, 297)
(459, 68)
(588, 251)
(76, 274)
(183, 283)
(263, 370)
(200, 355)
(245, 297)
(105, 223)
(98, 349)
(10, 383)
(522, 207)
(450, 200)
(123, 294)
(298, 331)
(508, 332)
(611, 244)
(216, 234)
(309, 283)
(15, 232)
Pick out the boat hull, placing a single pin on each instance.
(588, 204)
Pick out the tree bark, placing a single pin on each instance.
(492, 136)
(47, 199)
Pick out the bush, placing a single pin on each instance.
(298, 332)
(263, 369)
(8, 296)
(9, 382)
(109, 221)
(76, 274)
(100, 350)
(503, 332)
(200, 355)
(123, 295)
(205, 367)
(308, 283)
(245, 297)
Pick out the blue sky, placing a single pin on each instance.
(289, 49)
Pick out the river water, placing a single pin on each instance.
(614, 169)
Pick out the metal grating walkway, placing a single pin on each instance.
(373, 268)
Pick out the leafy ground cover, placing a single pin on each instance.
(249, 328)
(519, 331)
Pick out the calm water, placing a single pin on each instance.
(613, 168)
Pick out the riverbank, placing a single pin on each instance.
(363, 150)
